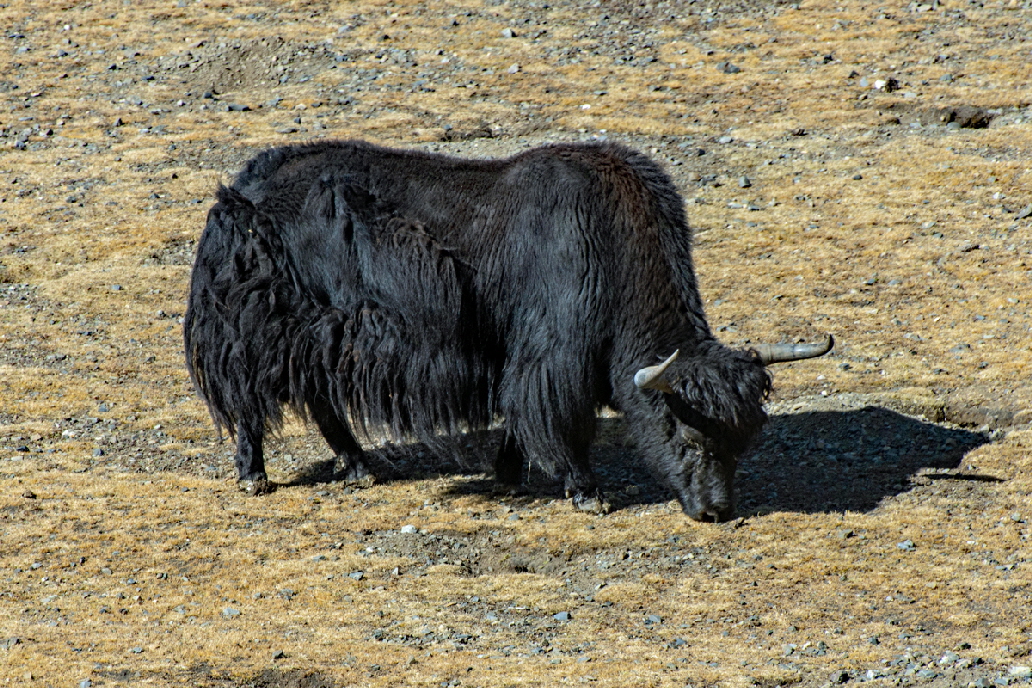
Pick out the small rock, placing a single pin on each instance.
(744, 182)
(948, 658)
(1025, 212)
(678, 642)
(29, 494)
(887, 85)
(357, 575)
(906, 546)
(514, 68)
(85, 683)
(98, 452)
(653, 619)
(562, 616)
(839, 676)
(279, 654)
(1020, 672)
(858, 176)
(230, 613)
(514, 517)
(728, 68)
(508, 33)
(409, 530)
(136, 650)
(725, 139)
(947, 78)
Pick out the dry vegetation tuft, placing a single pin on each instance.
(885, 515)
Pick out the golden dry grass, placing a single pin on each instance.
(920, 254)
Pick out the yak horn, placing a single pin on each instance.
(652, 376)
(783, 353)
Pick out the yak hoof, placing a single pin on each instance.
(355, 473)
(595, 504)
(256, 486)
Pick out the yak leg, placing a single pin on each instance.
(510, 462)
(250, 459)
(349, 462)
(566, 455)
(579, 481)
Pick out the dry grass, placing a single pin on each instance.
(920, 254)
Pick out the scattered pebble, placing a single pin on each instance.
(1021, 672)
(562, 616)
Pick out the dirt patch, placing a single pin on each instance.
(242, 67)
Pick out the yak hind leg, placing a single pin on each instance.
(250, 459)
(349, 462)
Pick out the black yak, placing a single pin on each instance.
(379, 290)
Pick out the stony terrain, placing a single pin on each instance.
(858, 169)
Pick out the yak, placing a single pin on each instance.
(410, 294)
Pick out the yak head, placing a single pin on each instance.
(714, 402)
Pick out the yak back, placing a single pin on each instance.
(583, 220)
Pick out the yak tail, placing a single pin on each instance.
(239, 319)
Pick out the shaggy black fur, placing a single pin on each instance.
(373, 290)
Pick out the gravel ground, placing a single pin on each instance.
(848, 169)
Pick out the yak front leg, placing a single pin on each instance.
(250, 459)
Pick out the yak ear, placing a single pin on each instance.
(651, 377)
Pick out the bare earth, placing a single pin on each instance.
(858, 169)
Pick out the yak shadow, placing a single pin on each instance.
(816, 461)
(849, 460)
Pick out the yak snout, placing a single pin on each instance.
(708, 492)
